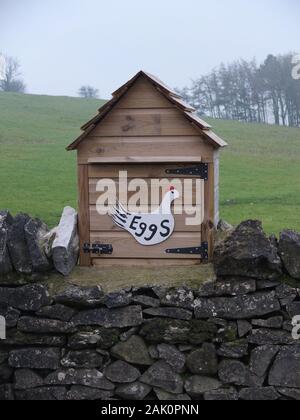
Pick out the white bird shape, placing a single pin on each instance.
(148, 228)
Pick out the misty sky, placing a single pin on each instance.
(63, 44)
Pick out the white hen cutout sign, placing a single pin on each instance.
(148, 228)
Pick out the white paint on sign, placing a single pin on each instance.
(148, 228)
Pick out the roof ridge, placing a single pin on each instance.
(177, 100)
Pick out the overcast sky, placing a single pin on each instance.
(63, 44)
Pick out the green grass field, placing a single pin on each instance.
(260, 170)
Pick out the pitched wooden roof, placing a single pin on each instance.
(188, 111)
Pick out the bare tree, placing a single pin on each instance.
(10, 75)
(88, 92)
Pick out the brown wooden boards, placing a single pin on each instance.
(144, 122)
(84, 214)
(145, 148)
(125, 245)
(188, 219)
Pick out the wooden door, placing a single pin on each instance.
(135, 182)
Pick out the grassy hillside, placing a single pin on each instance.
(260, 170)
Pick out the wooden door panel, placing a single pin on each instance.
(125, 246)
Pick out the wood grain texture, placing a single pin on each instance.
(209, 210)
(191, 191)
(143, 95)
(147, 170)
(83, 213)
(104, 223)
(143, 263)
(144, 122)
(125, 246)
(189, 147)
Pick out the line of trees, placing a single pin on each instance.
(246, 91)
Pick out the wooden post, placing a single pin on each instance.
(84, 214)
(209, 211)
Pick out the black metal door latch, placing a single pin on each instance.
(98, 249)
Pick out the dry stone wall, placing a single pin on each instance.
(227, 340)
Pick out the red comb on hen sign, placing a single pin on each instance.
(172, 188)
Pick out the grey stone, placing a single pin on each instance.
(262, 358)
(272, 323)
(27, 379)
(122, 373)
(117, 299)
(27, 298)
(259, 394)
(234, 350)
(85, 377)
(65, 248)
(146, 301)
(285, 372)
(289, 251)
(234, 287)
(6, 373)
(166, 396)
(82, 359)
(161, 375)
(35, 358)
(132, 351)
(173, 331)
(6, 392)
(234, 372)
(227, 334)
(286, 294)
(291, 393)
(3, 356)
(224, 226)
(93, 337)
(17, 245)
(248, 252)
(133, 392)
(130, 316)
(268, 284)
(265, 336)
(196, 386)
(172, 356)
(203, 361)
(35, 231)
(82, 297)
(42, 394)
(229, 394)
(288, 326)
(19, 339)
(244, 327)
(10, 314)
(241, 307)
(179, 298)
(175, 313)
(125, 336)
(6, 220)
(293, 309)
(58, 312)
(84, 393)
(44, 326)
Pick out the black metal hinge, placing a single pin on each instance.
(201, 250)
(200, 171)
(98, 249)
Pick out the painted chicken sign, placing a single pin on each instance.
(148, 228)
